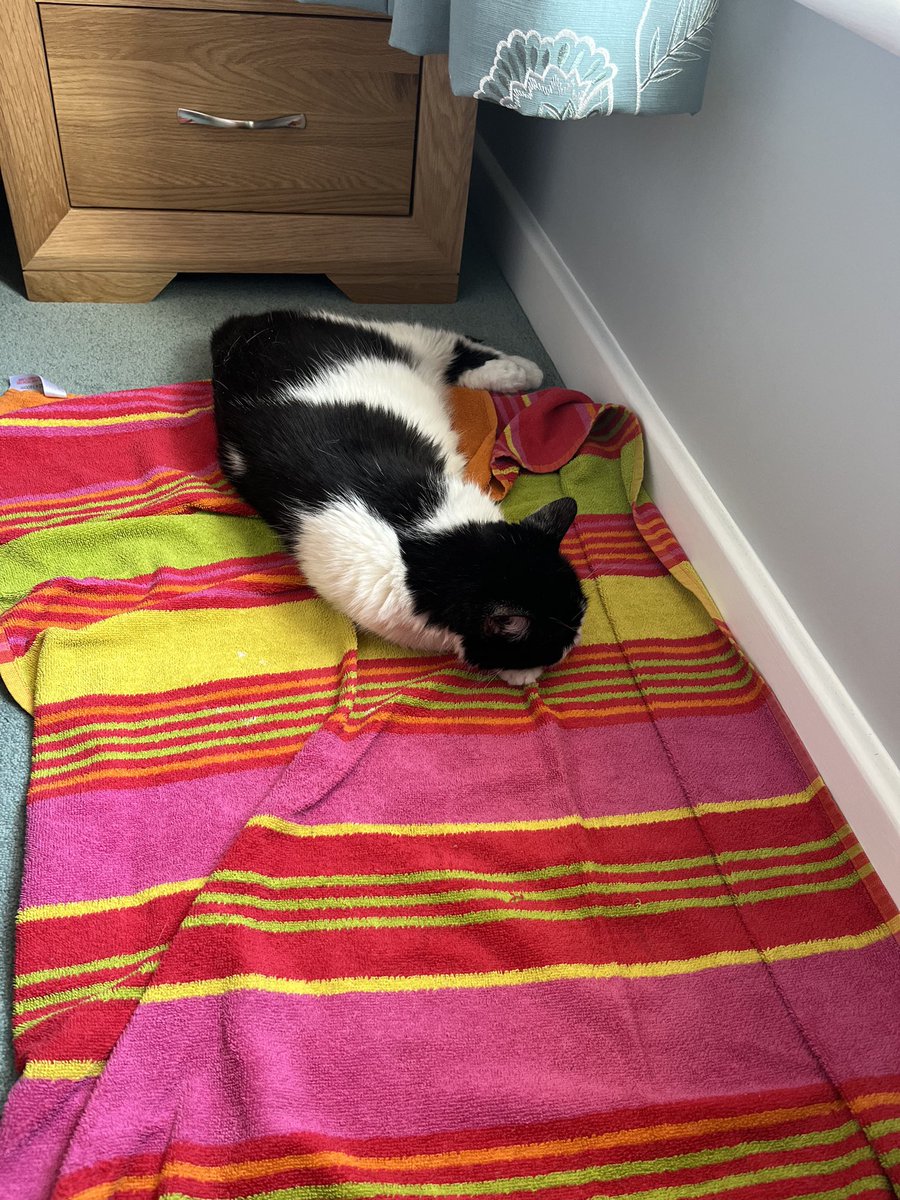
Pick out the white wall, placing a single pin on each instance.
(748, 262)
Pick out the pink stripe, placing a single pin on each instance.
(589, 522)
(178, 394)
(38, 1122)
(397, 1064)
(623, 769)
(107, 842)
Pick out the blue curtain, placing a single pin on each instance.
(563, 59)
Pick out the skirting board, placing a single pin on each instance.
(860, 774)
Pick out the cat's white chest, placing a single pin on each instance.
(353, 560)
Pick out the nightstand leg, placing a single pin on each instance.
(437, 288)
(96, 287)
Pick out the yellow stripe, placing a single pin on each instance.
(164, 992)
(81, 422)
(71, 1068)
(653, 817)
(80, 908)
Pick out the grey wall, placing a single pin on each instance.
(748, 261)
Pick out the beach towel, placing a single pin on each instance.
(306, 915)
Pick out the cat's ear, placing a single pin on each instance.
(554, 518)
(510, 623)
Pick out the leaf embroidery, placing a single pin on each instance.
(691, 32)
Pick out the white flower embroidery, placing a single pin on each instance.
(562, 77)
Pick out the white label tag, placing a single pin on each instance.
(36, 383)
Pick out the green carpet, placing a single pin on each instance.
(109, 347)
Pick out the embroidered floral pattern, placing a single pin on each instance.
(562, 77)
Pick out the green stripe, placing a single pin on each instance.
(79, 993)
(687, 1191)
(169, 735)
(247, 709)
(413, 900)
(409, 702)
(88, 968)
(278, 882)
(425, 684)
(879, 1129)
(636, 661)
(612, 692)
(492, 915)
(181, 541)
(607, 1173)
(465, 677)
(565, 685)
(303, 697)
(122, 993)
(191, 748)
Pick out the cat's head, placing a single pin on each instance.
(505, 591)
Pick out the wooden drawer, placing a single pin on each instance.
(119, 75)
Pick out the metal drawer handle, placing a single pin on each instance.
(188, 116)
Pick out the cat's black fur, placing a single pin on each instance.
(520, 570)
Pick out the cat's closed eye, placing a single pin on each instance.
(507, 624)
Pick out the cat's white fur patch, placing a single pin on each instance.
(463, 503)
(521, 678)
(392, 387)
(233, 459)
(353, 560)
(434, 348)
(507, 374)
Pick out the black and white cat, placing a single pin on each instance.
(338, 432)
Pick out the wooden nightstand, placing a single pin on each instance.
(113, 190)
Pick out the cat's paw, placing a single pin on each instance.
(521, 678)
(534, 376)
(508, 374)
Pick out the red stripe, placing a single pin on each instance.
(222, 951)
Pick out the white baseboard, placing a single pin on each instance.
(862, 777)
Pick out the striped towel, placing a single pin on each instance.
(603, 936)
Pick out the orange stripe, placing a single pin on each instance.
(568, 1147)
(552, 704)
(173, 589)
(173, 493)
(289, 684)
(370, 671)
(155, 593)
(253, 753)
(874, 1100)
(350, 725)
(132, 489)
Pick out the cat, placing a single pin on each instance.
(337, 431)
